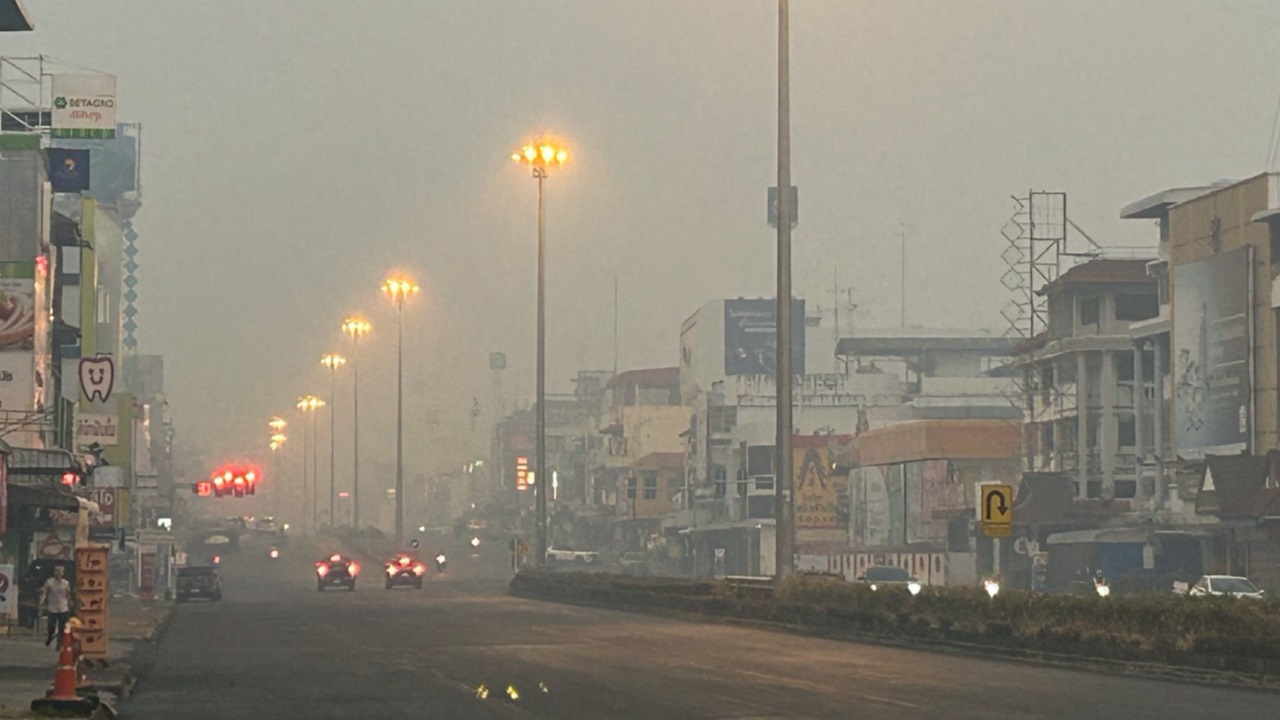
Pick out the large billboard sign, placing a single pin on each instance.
(822, 495)
(751, 336)
(1211, 345)
(17, 337)
(84, 106)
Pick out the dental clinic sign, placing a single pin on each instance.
(84, 106)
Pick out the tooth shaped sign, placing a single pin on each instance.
(97, 378)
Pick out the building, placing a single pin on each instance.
(1084, 381)
(913, 489)
(642, 416)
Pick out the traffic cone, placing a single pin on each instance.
(62, 699)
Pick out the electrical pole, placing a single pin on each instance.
(784, 523)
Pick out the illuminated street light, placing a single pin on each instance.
(333, 361)
(357, 327)
(310, 403)
(540, 155)
(399, 289)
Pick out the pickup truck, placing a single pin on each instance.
(559, 555)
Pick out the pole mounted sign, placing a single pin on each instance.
(996, 510)
(84, 106)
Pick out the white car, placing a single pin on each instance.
(1225, 585)
(577, 556)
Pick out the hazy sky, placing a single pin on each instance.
(295, 151)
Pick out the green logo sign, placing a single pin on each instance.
(60, 102)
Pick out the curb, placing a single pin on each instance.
(1151, 671)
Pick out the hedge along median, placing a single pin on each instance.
(1219, 634)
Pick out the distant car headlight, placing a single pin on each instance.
(914, 587)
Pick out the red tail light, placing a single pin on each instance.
(217, 559)
(404, 560)
(322, 569)
(419, 569)
(353, 567)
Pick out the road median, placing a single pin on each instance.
(1220, 641)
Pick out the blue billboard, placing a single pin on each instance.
(751, 336)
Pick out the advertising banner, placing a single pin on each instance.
(751, 336)
(8, 590)
(106, 515)
(822, 497)
(84, 106)
(97, 428)
(17, 337)
(1211, 345)
(113, 162)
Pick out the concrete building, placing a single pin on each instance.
(642, 417)
(1084, 383)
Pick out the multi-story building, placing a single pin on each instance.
(1083, 380)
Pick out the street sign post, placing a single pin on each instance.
(996, 510)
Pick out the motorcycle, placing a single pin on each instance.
(440, 563)
(274, 554)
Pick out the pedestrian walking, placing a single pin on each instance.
(55, 600)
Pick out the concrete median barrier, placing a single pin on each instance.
(1214, 641)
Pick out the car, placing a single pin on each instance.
(403, 571)
(337, 571)
(199, 582)
(878, 576)
(1232, 585)
(576, 556)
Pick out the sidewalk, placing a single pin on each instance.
(27, 666)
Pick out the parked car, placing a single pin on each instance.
(199, 582)
(878, 576)
(1232, 585)
(557, 555)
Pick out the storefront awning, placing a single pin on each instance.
(43, 497)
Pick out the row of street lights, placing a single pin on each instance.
(540, 156)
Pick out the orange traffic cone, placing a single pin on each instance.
(63, 698)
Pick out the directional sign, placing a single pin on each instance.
(997, 505)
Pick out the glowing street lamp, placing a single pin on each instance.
(310, 403)
(400, 289)
(541, 155)
(357, 327)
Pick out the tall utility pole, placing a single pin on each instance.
(784, 524)
(399, 289)
(902, 256)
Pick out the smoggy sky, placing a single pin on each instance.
(294, 152)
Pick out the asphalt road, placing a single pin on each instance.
(276, 648)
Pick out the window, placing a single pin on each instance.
(723, 419)
(675, 485)
(1162, 287)
(1128, 432)
(1090, 311)
(631, 488)
(764, 482)
(651, 486)
(1124, 367)
(720, 477)
(1132, 306)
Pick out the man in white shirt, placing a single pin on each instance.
(55, 600)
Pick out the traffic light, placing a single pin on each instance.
(72, 479)
(203, 488)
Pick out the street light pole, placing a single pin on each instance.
(540, 156)
(333, 361)
(541, 476)
(310, 403)
(399, 289)
(784, 524)
(400, 422)
(355, 327)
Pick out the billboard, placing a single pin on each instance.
(1212, 381)
(69, 170)
(100, 428)
(17, 338)
(84, 106)
(751, 336)
(113, 162)
(822, 496)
